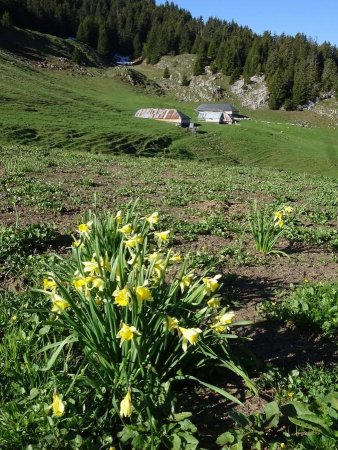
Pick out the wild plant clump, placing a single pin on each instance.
(268, 228)
(141, 316)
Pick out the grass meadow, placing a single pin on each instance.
(161, 290)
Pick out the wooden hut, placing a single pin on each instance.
(165, 115)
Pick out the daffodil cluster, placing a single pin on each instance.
(137, 309)
(267, 227)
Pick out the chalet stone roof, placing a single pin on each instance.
(162, 114)
(217, 107)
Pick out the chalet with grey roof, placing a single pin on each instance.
(217, 112)
(164, 115)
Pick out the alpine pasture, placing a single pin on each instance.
(161, 289)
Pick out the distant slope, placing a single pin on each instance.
(94, 111)
(39, 46)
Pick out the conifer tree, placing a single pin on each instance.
(201, 59)
(277, 89)
(103, 43)
(330, 75)
(6, 20)
(87, 32)
(166, 73)
(185, 81)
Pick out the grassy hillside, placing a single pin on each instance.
(91, 109)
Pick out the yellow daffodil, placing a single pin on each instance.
(134, 241)
(143, 294)
(287, 209)
(126, 407)
(219, 327)
(175, 258)
(126, 229)
(122, 296)
(214, 303)
(127, 333)
(211, 284)
(91, 267)
(59, 304)
(85, 284)
(80, 283)
(57, 405)
(152, 219)
(280, 223)
(190, 335)
(186, 281)
(158, 261)
(171, 323)
(162, 236)
(49, 284)
(14, 318)
(226, 318)
(85, 228)
(98, 283)
(77, 243)
(223, 321)
(278, 215)
(118, 217)
(105, 263)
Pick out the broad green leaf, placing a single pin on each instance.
(225, 438)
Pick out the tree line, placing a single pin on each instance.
(297, 69)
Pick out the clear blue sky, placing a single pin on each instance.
(317, 19)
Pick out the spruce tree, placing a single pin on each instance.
(166, 73)
(277, 88)
(330, 75)
(201, 59)
(103, 43)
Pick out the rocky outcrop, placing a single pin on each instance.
(253, 95)
(138, 79)
(200, 88)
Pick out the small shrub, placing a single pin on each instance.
(166, 73)
(185, 81)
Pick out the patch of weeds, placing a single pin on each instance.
(314, 236)
(237, 256)
(204, 260)
(214, 225)
(21, 190)
(303, 384)
(312, 306)
(24, 241)
(294, 425)
(17, 244)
